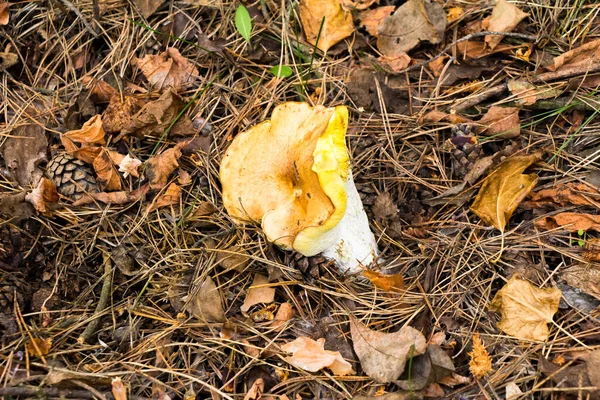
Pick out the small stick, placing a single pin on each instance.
(102, 303)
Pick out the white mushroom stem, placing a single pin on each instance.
(355, 247)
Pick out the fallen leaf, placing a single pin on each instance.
(480, 363)
(118, 390)
(22, 151)
(336, 22)
(504, 189)
(233, 258)
(7, 60)
(415, 21)
(581, 57)
(159, 167)
(310, 355)
(389, 283)
(100, 91)
(119, 113)
(129, 166)
(255, 392)
(436, 66)
(170, 197)
(90, 133)
(258, 295)
(512, 391)
(578, 300)
(167, 70)
(526, 310)
(372, 19)
(501, 123)
(455, 380)
(565, 194)
(454, 13)
(106, 174)
(528, 93)
(43, 194)
(351, 5)
(205, 302)
(121, 197)
(382, 355)
(183, 177)
(397, 63)
(426, 369)
(433, 390)
(583, 277)
(573, 377)
(591, 250)
(570, 222)
(505, 17)
(38, 347)
(284, 314)
(437, 116)
(4, 13)
(148, 7)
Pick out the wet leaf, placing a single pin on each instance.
(167, 70)
(526, 310)
(148, 7)
(415, 21)
(501, 122)
(570, 222)
(310, 355)
(43, 194)
(22, 151)
(480, 363)
(243, 22)
(503, 190)
(119, 112)
(258, 293)
(170, 197)
(382, 355)
(372, 19)
(505, 17)
(106, 174)
(159, 167)
(337, 23)
(581, 57)
(389, 283)
(205, 302)
(38, 347)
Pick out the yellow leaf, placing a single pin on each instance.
(526, 310)
(480, 364)
(337, 23)
(504, 189)
(38, 347)
(454, 13)
(389, 283)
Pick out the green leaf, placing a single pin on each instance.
(243, 22)
(581, 243)
(281, 71)
(580, 232)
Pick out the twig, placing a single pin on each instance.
(87, 25)
(102, 303)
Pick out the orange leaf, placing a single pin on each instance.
(159, 167)
(43, 194)
(480, 364)
(107, 176)
(38, 347)
(582, 56)
(570, 221)
(113, 197)
(90, 133)
(389, 283)
(100, 91)
(337, 23)
(371, 19)
(171, 197)
(4, 14)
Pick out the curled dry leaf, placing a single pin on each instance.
(310, 355)
(501, 122)
(256, 390)
(100, 91)
(383, 355)
(167, 70)
(570, 222)
(106, 174)
(526, 310)
(129, 166)
(90, 136)
(38, 347)
(170, 197)
(527, 93)
(118, 390)
(4, 13)
(121, 197)
(337, 23)
(371, 19)
(119, 112)
(159, 167)
(205, 302)
(505, 17)
(350, 5)
(581, 57)
(397, 63)
(283, 315)
(415, 21)
(22, 151)
(43, 194)
(480, 363)
(504, 189)
(258, 293)
(389, 283)
(566, 194)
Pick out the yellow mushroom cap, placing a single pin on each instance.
(289, 173)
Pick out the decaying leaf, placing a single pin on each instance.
(565, 194)
(106, 174)
(570, 222)
(526, 310)
(480, 363)
(505, 17)
(383, 355)
(284, 314)
(337, 22)
(159, 167)
(258, 293)
(572, 379)
(100, 91)
(581, 57)
(310, 355)
(389, 283)
(4, 13)
(205, 302)
(585, 278)
(119, 112)
(372, 19)
(170, 197)
(121, 197)
(501, 122)
(414, 22)
(22, 151)
(529, 93)
(256, 390)
(148, 7)
(427, 369)
(167, 70)
(43, 194)
(129, 166)
(504, 189)
(38, 347)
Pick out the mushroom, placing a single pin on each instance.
(292, 174)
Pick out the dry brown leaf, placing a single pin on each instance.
(256, 390)
(504, 189)
(310, 355)
(512, 391)
(7, 60)
(90, 133)
(505, 17)
(501, 122)
(170, 197)
(284, 314)
(581, 57)
(232, 258)
(118, 390)
(437, 65)
(351, 5)
(148, 7)
(566, 194)
(4, 13)
(528, 93)
(183, 177)
(591, 250)
(437, 116)
(22, 151)
(37, 347)
(159, 167)
(389, 283)
(205, 302)
(100, 91)
(43, 194)
(570, 222)
(415, 21)
(258, 293)
(337, 25)
(167, 70)
(106, 174)
(119, 113)
(526, 310)
(480, 363)
(129, 166)
(397, 63)
(372, 19)
(382, 355)
(584, 277)
(113, 197)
